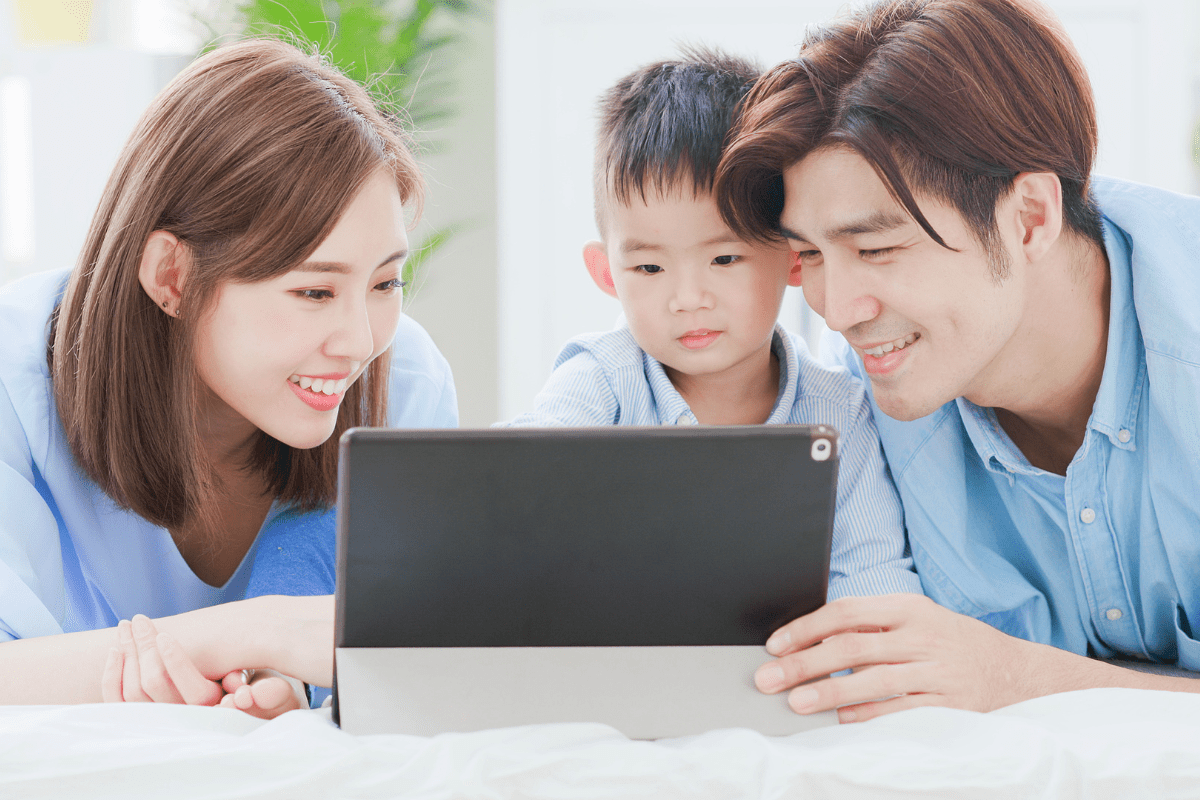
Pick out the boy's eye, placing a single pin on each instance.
(724, 261)
(649, 269)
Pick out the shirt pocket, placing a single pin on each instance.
(1188, 649)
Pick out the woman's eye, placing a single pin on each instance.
(315, 294)
(391, 286)
(725, 261)
(649, 269)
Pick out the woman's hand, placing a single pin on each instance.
(151, 667)
(148, 666)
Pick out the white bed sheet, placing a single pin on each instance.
(1099, 743)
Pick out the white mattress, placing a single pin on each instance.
(1100, 743)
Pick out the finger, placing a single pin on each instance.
(156, 682)
(239, 677)
(865, 711)
(837, 653)
(194, 688)
(274, 695)
(110, 681)
(882, 612)
(243, 698)
(131, 675)
(878, 684)
(227, 701)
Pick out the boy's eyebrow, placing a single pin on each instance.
(875, 222)
(344, 269)
(637, 245)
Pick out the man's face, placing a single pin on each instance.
(930, 324)
(697, 298)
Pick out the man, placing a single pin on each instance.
(1025, 331)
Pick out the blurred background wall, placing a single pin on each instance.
(513, 169)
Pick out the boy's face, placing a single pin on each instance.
(696, 297)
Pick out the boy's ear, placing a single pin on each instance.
(595, 257)
(163, 269)
(794, 274)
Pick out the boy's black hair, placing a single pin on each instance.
(665, 124)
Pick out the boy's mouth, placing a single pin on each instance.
(698, 339)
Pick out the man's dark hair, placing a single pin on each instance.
(947, 98)
(664, 125)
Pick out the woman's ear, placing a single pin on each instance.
(165, 261)
(595, 257)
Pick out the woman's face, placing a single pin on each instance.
(277, 355)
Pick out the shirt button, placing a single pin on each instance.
(684, 419)
(1123, 436)
(1088, 516)
(1113, 614)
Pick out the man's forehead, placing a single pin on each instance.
(836, 194)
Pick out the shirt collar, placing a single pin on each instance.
(1115, 411)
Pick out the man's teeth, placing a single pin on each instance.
(888, 347)
(321, 385)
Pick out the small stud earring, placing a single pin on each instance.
(164, 303)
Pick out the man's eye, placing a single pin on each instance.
(882, 252)
(391, 286)
(649, 269)
(724, 261)
(807, 256)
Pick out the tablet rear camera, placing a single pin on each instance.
(821, 449)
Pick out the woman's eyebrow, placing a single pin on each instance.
(345, 269)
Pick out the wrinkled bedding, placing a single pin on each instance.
(1099, 743)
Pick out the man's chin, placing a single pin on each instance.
(904, 409)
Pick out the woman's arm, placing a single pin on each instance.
(293, 635)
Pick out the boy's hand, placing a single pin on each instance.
(267, 695)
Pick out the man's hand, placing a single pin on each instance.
(907, 651)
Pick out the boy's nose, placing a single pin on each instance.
(691, 293)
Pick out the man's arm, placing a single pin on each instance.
(907, 651)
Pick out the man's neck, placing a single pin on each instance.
(1044, 393)
(742, 395)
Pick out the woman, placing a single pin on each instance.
(184, 387)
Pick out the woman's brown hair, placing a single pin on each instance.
(248, 157)
(950, 98)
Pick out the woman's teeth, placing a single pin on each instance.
(321, 385)
(888, 347)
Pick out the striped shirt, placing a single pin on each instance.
(606, 379)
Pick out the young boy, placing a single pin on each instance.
(700, 344)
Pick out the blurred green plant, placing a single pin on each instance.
(401, 50)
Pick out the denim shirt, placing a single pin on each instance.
(1106, 560)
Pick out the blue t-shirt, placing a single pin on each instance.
(70, 559)
(606, 379)
(1106, 560)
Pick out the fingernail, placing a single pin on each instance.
(141, 625)
(123, 631)
(803, 700)
(769, 677)
(779, 642)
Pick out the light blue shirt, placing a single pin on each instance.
(70, 559)
(1106, 560)
(606, 379)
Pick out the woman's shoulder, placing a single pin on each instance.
(25, 306)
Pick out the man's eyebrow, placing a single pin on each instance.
(344, 269)
(876, 222)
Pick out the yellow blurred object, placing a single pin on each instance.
(47, 21)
